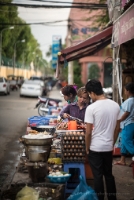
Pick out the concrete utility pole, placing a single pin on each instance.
(70, 64)
(116, 14)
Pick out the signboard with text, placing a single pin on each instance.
(123, 28)
(56, 47)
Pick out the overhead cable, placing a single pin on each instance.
(83, 6)
(64, 2)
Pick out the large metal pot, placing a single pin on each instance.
(37, 142)
(37, 156)
(37, 148)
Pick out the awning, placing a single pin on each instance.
(87, 47)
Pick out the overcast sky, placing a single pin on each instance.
(44, 33)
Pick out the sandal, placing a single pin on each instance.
(119, 163)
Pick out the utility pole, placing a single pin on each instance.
(116, 14)
(70, 64)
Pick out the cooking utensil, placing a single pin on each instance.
(37, 148)
(74, 118)
(41, 128)
(37, 156)
(37, 142)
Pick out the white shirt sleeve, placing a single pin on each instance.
(89, 115)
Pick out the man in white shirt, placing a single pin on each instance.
(103, 126)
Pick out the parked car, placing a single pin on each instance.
(4, 86)
(45, 87)
(32, 88)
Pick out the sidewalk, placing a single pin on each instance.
(123, 174)
(124, 180)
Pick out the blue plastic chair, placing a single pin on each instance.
(76, 165)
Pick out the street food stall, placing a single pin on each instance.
(47, 149)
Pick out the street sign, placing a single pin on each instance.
(56, 47)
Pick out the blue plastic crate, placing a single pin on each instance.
(38, 119)
(43, 122)
(59, 179)
(51, 116)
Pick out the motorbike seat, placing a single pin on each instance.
(51, 99)
(57, 100)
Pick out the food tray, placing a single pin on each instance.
(76, 154)
(73, 142)
(41, 128)
(65, 131)
(74, 137)
(71, 146)
(65, 150)
(59, 179)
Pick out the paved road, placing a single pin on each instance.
(14, 112)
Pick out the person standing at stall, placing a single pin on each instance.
(70, 94)
(76, 109)
(127, 124)
(103, 115)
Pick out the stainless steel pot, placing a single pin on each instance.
(37, 148)
(37, 142)
(37, 156)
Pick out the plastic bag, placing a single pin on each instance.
(27, 193)
(83, 192)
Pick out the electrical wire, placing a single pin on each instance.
(73, 3)
(83, 6)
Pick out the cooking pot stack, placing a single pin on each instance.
(37, 150)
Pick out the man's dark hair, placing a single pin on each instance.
(94, 86)
(69, 89)
(130, 87)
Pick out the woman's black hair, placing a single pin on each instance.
(130, 87)
(94, 86)
(69, 89)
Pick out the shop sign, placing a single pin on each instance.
(123, 28)
(56, 47)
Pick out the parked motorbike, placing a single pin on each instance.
(44, 105)
(13, 85)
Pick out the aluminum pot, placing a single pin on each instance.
(37, 156)
(37, 148)
(37, 142)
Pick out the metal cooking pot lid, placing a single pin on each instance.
(43, 126)
(37, 151)
(35, 137)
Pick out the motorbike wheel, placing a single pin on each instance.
(40, 112)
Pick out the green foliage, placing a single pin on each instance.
(94, 72)
(104, 18)
(77, 74)
(11, 38)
